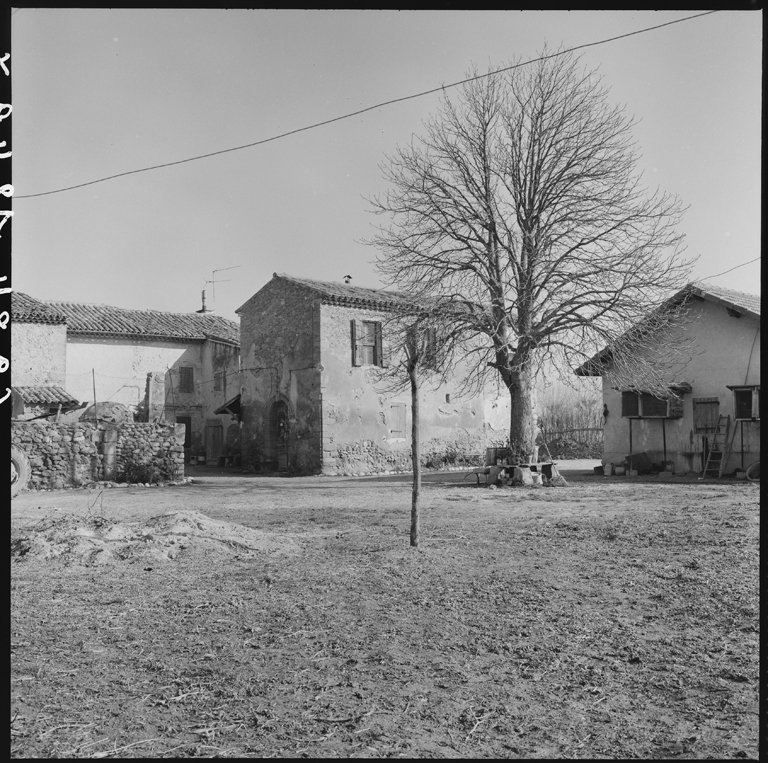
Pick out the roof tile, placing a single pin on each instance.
(104, 320)
(25, 309)
(45, 395)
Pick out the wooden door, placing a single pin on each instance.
(214, 441)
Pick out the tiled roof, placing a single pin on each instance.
(352, 296)
(103, 320)
(45, 395)
(24, 309)
(736, 300)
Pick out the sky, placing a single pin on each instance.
(100, 92)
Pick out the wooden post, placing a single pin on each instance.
(664, 440)
(631, 466)
(415, 450)
(742, 444)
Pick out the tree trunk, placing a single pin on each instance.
(522, 425)
(415, 454)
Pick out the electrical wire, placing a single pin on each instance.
(362, 111)
(735, 267)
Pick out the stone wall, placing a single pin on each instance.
(280, 351)
(367, 457)
(71, 455)
(161, 445)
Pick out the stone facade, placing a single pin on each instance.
(280, 374)
(298, 362)
(71, 455)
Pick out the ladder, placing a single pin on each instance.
(718, 452)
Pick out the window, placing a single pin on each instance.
(746, 402)
(218, 381)
(652, 406)
(186, 379)
(706, 411)
(644, 405)
(630, 404)
(368, 348)
(397, 413)
(425, 341)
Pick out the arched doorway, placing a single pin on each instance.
(278, 434)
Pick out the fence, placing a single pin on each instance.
(584, 442)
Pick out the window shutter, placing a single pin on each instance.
(382, 347)
(756, 403)
(357, 343)
(186, 379)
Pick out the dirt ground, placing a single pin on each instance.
(251, 616)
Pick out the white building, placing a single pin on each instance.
(722, 378)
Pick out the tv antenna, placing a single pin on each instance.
(213, 281)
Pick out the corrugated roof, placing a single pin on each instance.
(25, 309)
(45, 395)
(736, 300)
(104, 320)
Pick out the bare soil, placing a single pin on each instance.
(247, 616)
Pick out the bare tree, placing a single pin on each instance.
(421, 349)
(520, 212)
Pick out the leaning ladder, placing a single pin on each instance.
(718, 450)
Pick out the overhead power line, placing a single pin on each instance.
(735, 267)
(363, 111)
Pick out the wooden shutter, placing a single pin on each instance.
(706, 411)
(382, 348)
(357, 343)
(186, 379)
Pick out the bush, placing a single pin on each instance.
(136, 472)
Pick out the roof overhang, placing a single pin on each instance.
(231, 406)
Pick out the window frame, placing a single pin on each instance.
(363, 337)
(673, 404)
(754, 409)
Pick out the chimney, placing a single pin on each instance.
(204, 308)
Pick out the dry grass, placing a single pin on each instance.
(597, 620)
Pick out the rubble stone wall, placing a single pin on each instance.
(71, 455)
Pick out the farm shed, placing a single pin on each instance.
(720, 379)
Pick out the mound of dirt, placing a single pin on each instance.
(97, 540)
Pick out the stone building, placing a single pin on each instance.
(310, 393)
(722, 377)
(38, 359)
(178, 367)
